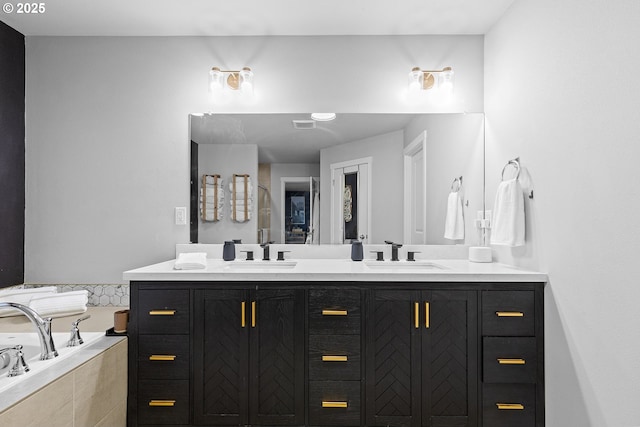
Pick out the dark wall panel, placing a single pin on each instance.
(12, 108)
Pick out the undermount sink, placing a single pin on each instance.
(404, 265)
(259, 264)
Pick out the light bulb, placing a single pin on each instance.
(446, 81)
(246, 81)
(216, 80)
(415, 80)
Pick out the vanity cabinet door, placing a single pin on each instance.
(421, 358)
(249, 357)
(221, 357)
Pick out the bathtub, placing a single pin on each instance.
(31, 350)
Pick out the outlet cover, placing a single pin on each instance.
(181, 215)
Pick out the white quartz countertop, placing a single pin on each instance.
(439, 270)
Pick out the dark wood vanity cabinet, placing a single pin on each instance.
(421, 358)
(336, 354)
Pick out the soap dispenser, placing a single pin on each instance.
(229, 251)
(356, 250)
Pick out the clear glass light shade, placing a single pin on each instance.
(216, 80)
(446, 81)
(246, 81)
(416, 80)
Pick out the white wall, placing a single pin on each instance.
(386, 184)
(280, 170)
(226, 160)
(107, 128)
(562, 92)
(455, 147)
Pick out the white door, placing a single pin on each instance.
(347, 225)
(415, 188)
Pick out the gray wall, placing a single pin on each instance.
(562, 92)
(386, 184)
(107, 149)
(225, 160)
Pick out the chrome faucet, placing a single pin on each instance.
(18, 368)
(394, 250)
(43, 328)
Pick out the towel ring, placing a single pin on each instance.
(459, 181)
(515, 162)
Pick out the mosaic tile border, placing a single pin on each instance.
(99, 295)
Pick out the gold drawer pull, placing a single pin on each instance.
(163, 357)
(510, 406)
(243, 314)
(416, 314)
(334, 358)
(509, 314)
(426, 315)
(162, 313)
(511, 361)
(334, 312)
(162, 402)
(327, 404)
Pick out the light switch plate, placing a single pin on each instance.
(181, 215)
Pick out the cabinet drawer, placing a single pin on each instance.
(334, 311)
(334, 357)
(334, 403)
(163, 357)
(509, 360)
(509, 405)
(163, 312)
(508, 313)
(163, 402)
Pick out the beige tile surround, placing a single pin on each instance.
(93, 394)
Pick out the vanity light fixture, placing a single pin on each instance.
(440, 80)
(323, 117)
(222, 80)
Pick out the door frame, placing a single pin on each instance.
(334, 171)
(417, 145)
(283, 184)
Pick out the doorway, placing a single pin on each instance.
(415, 191)
(351, 200)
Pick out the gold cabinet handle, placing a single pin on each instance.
(243, 314)
(329, 358)
(162, 313)
(162, 402)
(416, 314)
(426, 315)
(334, 312)
(509, 314)
(162, 357)
(333, 404)
(253, 314)
(510, 406)
(511, 361)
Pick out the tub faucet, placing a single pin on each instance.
(20, 367)
(394, 250)
(43, 328)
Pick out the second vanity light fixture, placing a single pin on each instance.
(221, 81)
(440, 80)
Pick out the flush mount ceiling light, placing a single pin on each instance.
(231, 80)
(440, 80)
(323, 117)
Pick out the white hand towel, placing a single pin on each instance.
(508, 215)
(191, 261)
(240, 217)
(454, 222)
(24, 297)
(240, 186)
(210, 214)
(210, 180)
(62, 304)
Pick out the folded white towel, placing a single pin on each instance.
(210, 180)
(240, 186)
(22, 296)
(209, 215)
(454, 222)
(62, 304)
(507, 224)
(240, 217)
(191, 261)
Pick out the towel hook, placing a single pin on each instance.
(459, 181)
(516, 163)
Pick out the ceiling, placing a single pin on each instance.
(275, 135)
(257, 17)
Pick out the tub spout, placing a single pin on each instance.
(43, 328)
